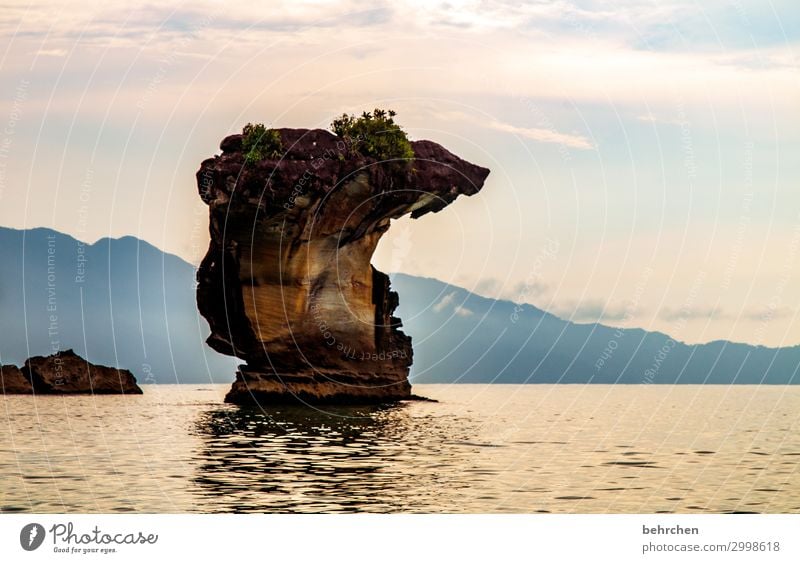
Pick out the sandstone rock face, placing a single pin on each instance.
(287, 283)
(13, 382)
(68, 373)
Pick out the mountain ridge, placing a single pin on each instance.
(160, 337)
(557, 350)
(138, 309)
(524, 304)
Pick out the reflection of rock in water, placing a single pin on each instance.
(342, 459)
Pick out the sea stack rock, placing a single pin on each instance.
(287, 283)
(68, 373)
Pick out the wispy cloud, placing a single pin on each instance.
(540, 134)
(690, 313)
(767, 314)
(462, 311)
(52, 52)
(487, 286)
(659, 119)
(543, 135)
(519, 292)
(589, 310)
(526, 291)
(445, 302)
(115, 18)
(750, 314)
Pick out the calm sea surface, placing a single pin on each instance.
(482, 448)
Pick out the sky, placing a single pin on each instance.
(643, 154)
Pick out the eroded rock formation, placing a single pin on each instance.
(13, 382)
(66, 373)
(287, 283)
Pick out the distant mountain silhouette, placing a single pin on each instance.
(133, 306)
(461, 337)
(117, 302)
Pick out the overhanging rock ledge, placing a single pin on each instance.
(287, 284)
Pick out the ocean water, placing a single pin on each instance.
(481, 448)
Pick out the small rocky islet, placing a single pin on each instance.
(66, 373)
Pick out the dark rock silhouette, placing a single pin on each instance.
(13, 382)
(287, 283)
(67, 373)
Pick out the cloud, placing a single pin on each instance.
(753, 314)
(520, 292)
(462, 311)
(657, 119)
(562, 52)
(446, 301)
(561, 17)
(116, 18)
(691, 313)
(766, 314)
(487, 286)
(590, 310)
(52, 52)
(540, 134)
(527, 290)
(543, 135)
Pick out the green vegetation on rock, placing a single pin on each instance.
(259, 143)
(374, 135)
